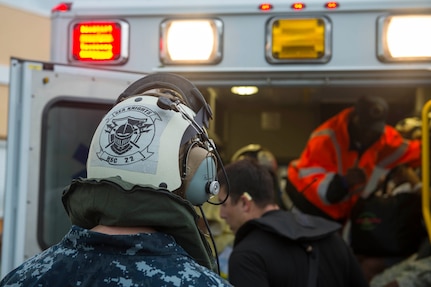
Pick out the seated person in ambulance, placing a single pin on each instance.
(387, 226)
(416, 269)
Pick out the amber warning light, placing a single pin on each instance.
(97, 42)
(332, 5)
(265, 7)
(298, 6)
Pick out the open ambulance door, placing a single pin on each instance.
(53, 112)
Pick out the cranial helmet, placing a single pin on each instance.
(155, 137)
(262, 155)
(410, 128)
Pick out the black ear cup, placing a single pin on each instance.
(200, 181)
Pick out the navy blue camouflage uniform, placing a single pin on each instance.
(87, 258)
(176, 255)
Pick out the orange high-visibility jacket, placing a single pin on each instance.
(327, 153)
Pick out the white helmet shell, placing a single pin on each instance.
(262, 155)
(410, 128)
(139, 142)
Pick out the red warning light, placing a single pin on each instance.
(62, 7)
(298, 6)
(98, 41)
(265, 7)
(332, 5)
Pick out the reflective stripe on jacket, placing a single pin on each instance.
(327, 153)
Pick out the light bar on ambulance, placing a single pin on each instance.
(404, 38)
(298, 40)
(99, 42)
(195, 41)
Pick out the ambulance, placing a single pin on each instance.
(270, 70)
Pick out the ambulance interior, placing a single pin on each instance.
(279, 118)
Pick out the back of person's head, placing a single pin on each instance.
(371, 113)
(263, 156)
(267, 159)
(155, 137)
(247, 175)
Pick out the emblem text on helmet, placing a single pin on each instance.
(126, 138)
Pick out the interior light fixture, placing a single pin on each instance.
(244, 90)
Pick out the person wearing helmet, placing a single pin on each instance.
(133, 218)
(345, 157)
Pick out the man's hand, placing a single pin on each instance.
(355, 179)
(355, 176)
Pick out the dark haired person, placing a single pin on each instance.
(274, 247)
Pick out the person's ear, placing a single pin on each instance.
(246, 200)
(247, 196)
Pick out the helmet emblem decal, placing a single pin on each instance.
(126, 138)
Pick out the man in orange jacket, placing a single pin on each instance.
(344, 159)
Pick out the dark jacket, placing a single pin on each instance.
(292, 249)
